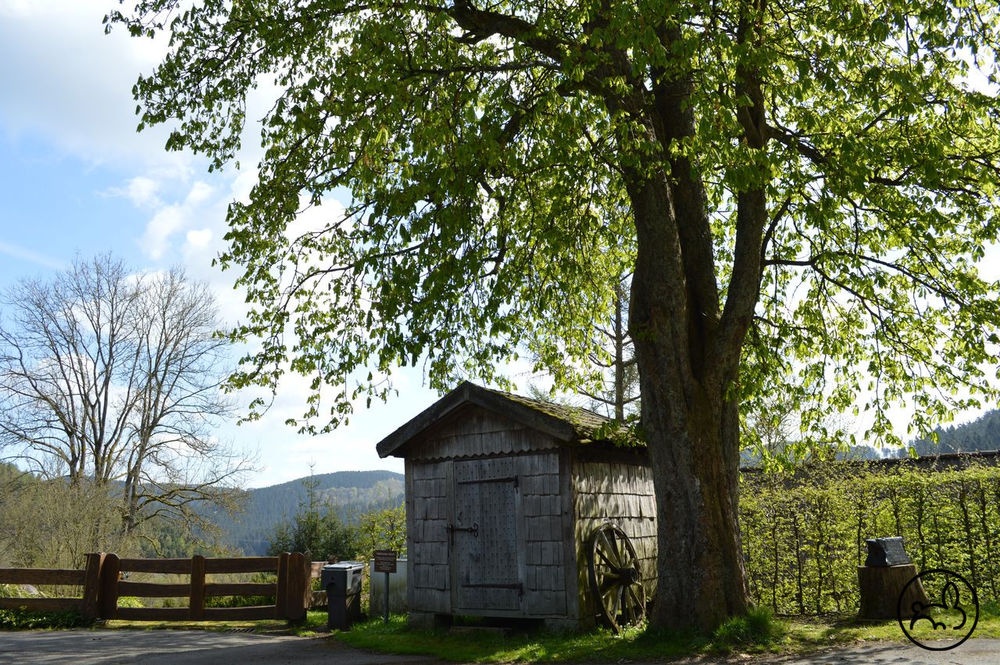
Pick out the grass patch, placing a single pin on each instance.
(515, 647)
(758, 632)
(818, 632)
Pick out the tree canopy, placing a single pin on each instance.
(810, 187)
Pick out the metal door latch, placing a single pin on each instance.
(474, 529)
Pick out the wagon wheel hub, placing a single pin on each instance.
(615, 578)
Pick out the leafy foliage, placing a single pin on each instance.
(24, 620)
(473, 162)
(805, 537)
(381, 530)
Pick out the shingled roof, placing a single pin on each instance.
(564, 423)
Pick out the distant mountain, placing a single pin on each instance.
(351, 493)
(978, 435)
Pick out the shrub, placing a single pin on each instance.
(804, 536)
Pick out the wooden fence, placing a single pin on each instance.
(106, 578)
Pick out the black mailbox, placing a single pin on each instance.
(886, 552)
(342, 582)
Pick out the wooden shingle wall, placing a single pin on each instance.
(622, 493)
(428, 498)
(545, 528)
(478, 433)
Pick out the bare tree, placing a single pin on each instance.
(618, 391)
(109, 376)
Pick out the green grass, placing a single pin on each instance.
(756, 633)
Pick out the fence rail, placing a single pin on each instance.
(105, 579)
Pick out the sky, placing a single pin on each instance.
(77, 180)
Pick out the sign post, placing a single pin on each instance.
(385, 562)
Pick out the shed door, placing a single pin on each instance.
(484, 555)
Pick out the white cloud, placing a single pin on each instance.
(200, 193)
(160, 229)
(142, 191)
(197, 240)
(173, 219)
(67, 80)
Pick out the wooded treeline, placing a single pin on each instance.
(981, 434)
(351, 494)
(49, 522)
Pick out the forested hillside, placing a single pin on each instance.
(353, 493)
(981, 434)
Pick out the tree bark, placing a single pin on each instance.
(691, 427)
(688, 353)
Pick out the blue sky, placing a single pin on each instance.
(76, 179)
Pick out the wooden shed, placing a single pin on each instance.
(507, 500)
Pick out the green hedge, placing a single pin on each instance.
(804, 537)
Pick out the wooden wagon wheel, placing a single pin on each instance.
(615, 578)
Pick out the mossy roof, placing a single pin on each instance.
(568, 424)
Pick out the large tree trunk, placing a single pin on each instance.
(689, 353)
(699, 556)
(688, 347)
(690, 421)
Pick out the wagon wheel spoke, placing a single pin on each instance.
(636, 602)
(608, 550)
(614, 577)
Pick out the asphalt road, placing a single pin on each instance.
(181, 647)
(194, 647)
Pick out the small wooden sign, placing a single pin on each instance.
(385, 561)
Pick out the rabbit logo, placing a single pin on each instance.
(949, 616)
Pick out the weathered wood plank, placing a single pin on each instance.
(240, 589)
(41, 576)
(153, 614)
(253, 613)
(153, 589)
(250, 564)
(41, 604)
(169, 566)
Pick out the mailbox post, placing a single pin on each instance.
(342, 582)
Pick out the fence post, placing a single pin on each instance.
(281, 590)
(298, 576)
(196, 604)
(107, 597)
(91, 586)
